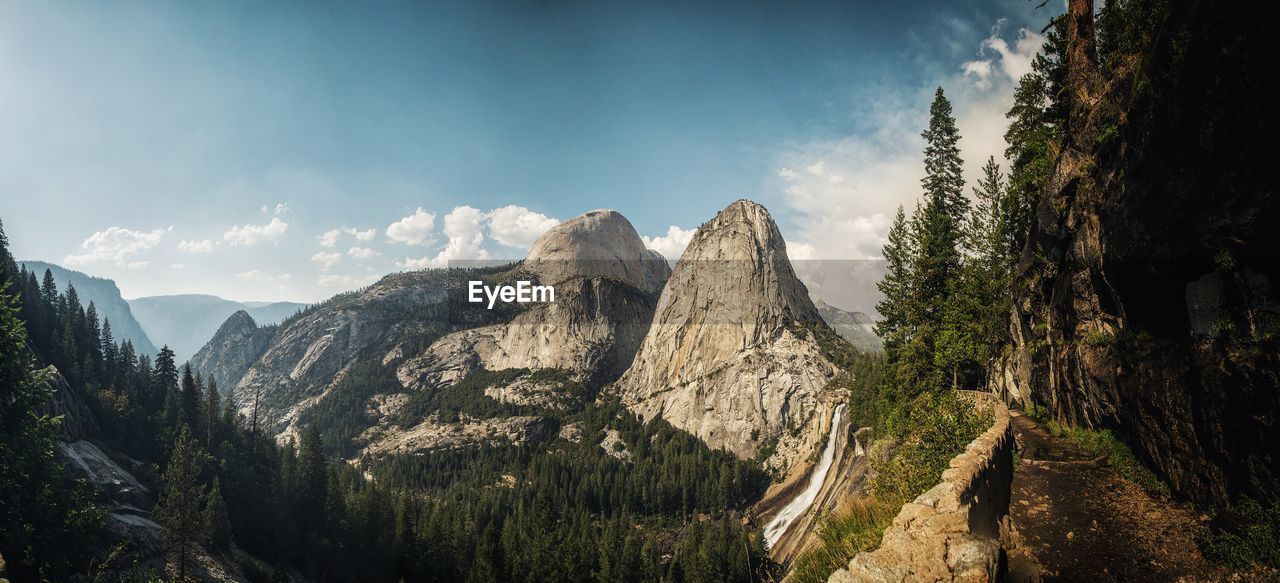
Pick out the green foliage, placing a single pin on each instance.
(216, 519)
(572, 511)
(927, 431)
(841, 536)
(1099, 338)
(179, 507)
(48, 525)
(1243, 535)
(344, 412)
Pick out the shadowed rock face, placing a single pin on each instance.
(232, 350)
(1149, 304)
(724, 358)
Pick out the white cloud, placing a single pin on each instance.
(466, 236)
(672, 244)
(330, 237)
(517, 226)
(251, 234)
(177, 266)
(464, 226)
(1010, 61)
(414, 229)
(259, 275)
(197, 245)
(281, 208)
(800, 251)
(362, 252)
(840, 194)
(326, 260)
(117, 245)
(138, 264)
(365, 235)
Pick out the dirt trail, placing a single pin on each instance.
(1076, 519)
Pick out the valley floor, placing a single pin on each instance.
(1076, 519)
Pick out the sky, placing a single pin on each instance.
(293, 150)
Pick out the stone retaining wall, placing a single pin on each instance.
(953, 532)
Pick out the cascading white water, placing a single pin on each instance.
(800, 504)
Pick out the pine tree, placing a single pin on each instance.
(216, 520)
(936, 229)
(1035, 128)
(212, 409)
(164, 381)
(179, 507)
(896, 285)
(312, 481)
(943, 167)
(230, 416)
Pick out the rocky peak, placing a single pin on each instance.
(232, 350)
(725, 358)
(240, 321)
(599, 243)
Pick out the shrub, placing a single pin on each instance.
(1244, 535)
(929, 431)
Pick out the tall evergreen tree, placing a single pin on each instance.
(1035, 128)
(216, 520)
(312, 481)
(179, 508)
(937, 232)
(899, 256)
(164, 381)
(212, 409)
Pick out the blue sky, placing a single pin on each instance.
(292, 150)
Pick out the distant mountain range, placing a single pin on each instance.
(105, 297)
(185, 322)
(856, 327)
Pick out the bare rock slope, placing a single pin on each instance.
(420, 329)
(730, 356)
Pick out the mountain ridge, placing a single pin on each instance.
(106, 297)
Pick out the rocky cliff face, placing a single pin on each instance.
(606, 284)
(420, 328)
(1149, 277)
(308, 356)
(232, 350)
(726, 357)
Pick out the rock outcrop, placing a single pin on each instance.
(421, 327)
(728, 356)
(1148, 303)
(606, 284)
(232, 350)
(433, 435)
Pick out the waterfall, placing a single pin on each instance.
(800, 504)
